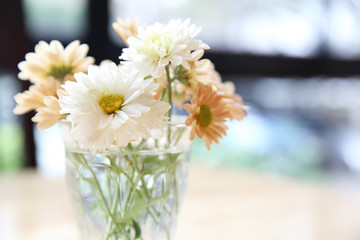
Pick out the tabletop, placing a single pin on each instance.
(219, 204)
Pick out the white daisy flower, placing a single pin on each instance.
(158, 45)
(107, 107)
(52, 60)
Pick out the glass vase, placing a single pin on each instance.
(132, 192)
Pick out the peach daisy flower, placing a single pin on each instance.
(199, 71)
(160, 92)
(49, 115)
(126, 28)
(235, 107)
(33, 98)
(233, 102)
(52, 60)
(207, 115)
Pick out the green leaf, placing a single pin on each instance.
(90, 181)
(154, 164)
(180, 74)
(140, 206)
(147, 77)
(97, 211)
(113, 169)
(137, 229)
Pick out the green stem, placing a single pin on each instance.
(147, 196)
(108, 188)
(140, 195)
(163, 91)
(132, 193)
(113, 209)
(102, 196)
(170, 102)
(134, 188)
(169, 91)
(176, 192)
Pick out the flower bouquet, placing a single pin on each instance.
(127, 153)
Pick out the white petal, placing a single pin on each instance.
(176, 60)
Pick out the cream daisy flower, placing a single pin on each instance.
(52, 60)
(233, 102)
(200, 71)
(160, 45)
(126, 28)
(207, 115)
(34, 97)
(49, 115)
(107, 107)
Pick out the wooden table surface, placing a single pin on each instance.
(219, 205)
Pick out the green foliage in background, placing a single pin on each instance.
(11, 146)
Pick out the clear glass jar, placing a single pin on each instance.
(132, 192)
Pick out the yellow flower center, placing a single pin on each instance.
(110, 103)
(60, 71)
(205, 116)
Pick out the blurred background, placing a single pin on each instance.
(295, 63)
